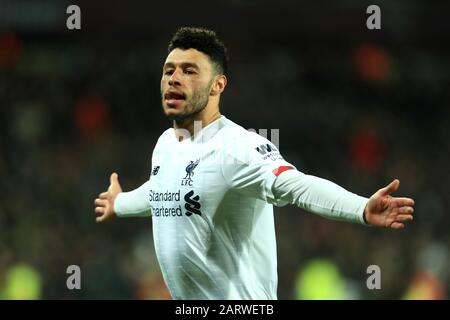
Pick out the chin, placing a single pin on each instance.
(174, 115)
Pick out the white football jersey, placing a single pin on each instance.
(211, 201)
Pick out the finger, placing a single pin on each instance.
(400, 202)
(101, 218)
(397, 225)
(100, 202)
(103, 195)
(114, 178)
(390, 188)
(100, 210)
(406, 210)
(404, 218)
(402, 210)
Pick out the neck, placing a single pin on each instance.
(206, 116)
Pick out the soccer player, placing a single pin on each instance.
(213, 185)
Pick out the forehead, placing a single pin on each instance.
(179, 56)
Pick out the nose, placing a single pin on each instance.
(174, 78)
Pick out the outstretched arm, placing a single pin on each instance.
(327, 199)
(114, 202)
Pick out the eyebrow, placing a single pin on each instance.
(183, 65)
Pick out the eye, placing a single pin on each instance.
(189, 71)
(168, 72)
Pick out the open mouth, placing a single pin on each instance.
(173, 98)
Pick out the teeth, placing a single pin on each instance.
(174, 96)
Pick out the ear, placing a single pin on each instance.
(219, 85)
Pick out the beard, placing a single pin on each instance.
(193, 105)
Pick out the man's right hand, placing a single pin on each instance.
(104, 204)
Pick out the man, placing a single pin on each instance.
(213, 184)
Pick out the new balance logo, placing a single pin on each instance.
(192, 204)
(155, 170)
(265, 148)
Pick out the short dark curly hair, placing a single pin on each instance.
(203, 40)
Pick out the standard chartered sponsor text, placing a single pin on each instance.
(162, 211)
(164, 196)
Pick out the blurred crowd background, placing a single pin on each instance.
(354, 106)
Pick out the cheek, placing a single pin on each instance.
(197, 86)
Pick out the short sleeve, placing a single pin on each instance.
(250, 165)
